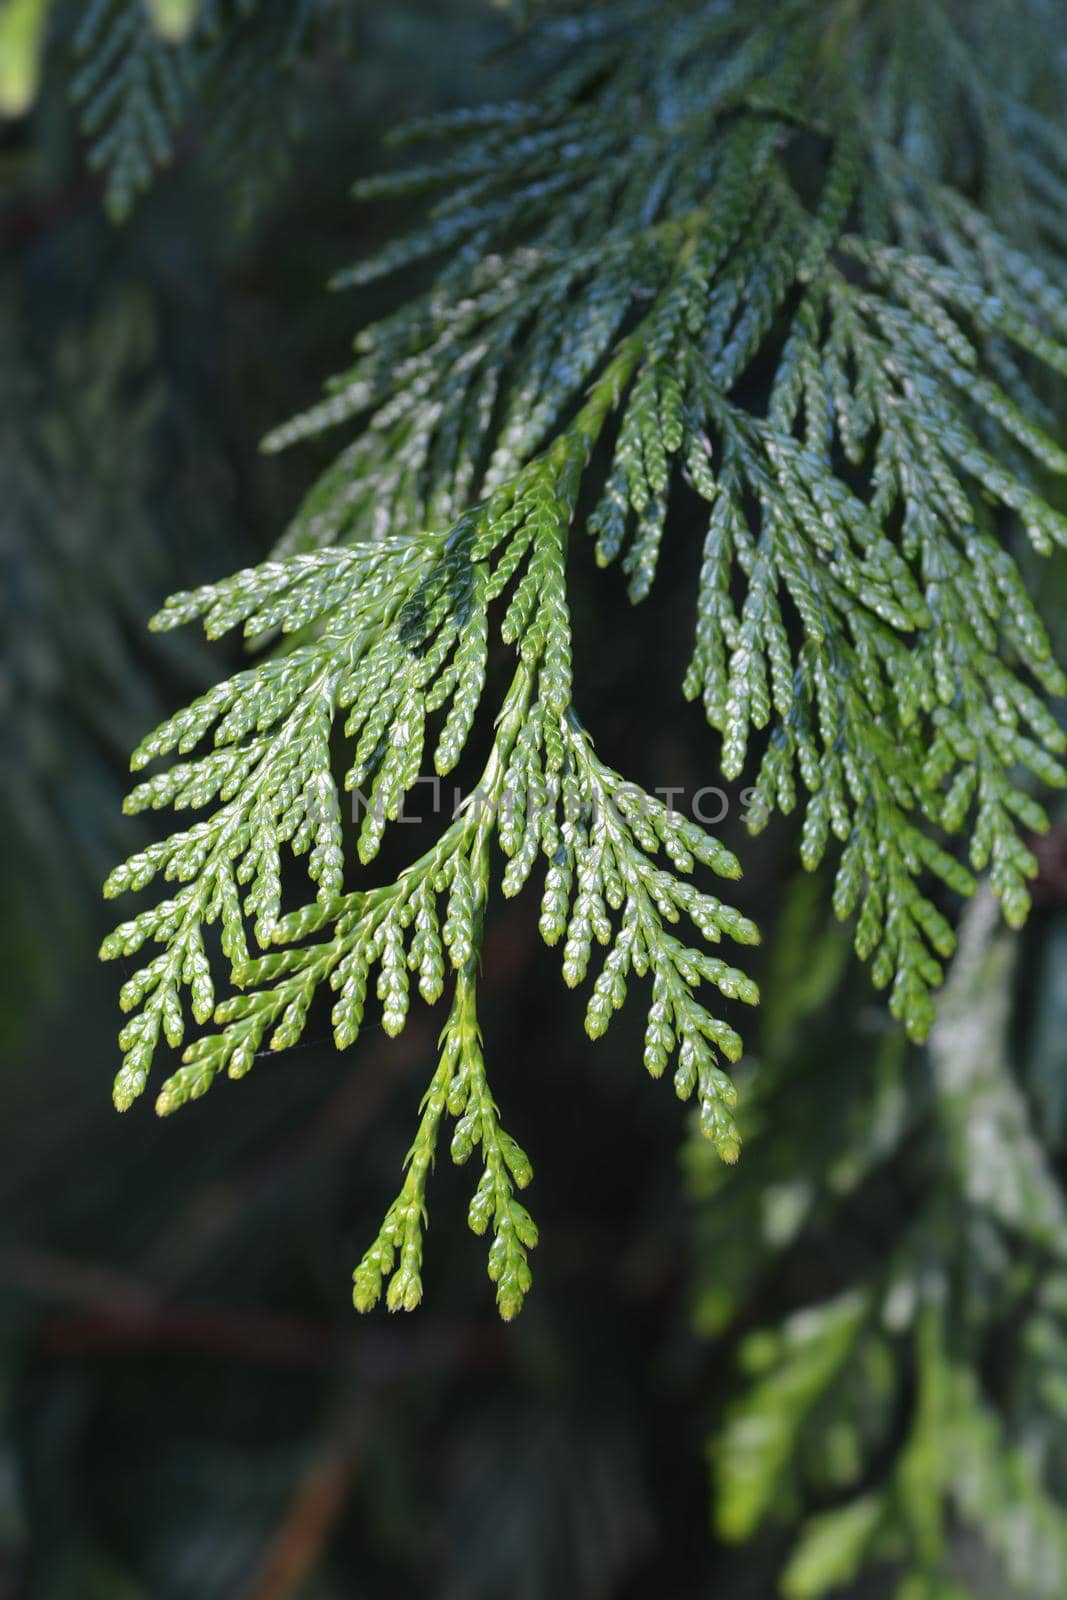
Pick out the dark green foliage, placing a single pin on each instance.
(230, 62)
(81, 556)
(132, 88)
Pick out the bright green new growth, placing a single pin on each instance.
(401, 631)
(725, 255)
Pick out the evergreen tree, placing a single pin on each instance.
(768, 296)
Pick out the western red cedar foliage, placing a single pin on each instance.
(689, 194)
(799, 263)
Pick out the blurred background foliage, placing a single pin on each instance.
(844, 1362)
